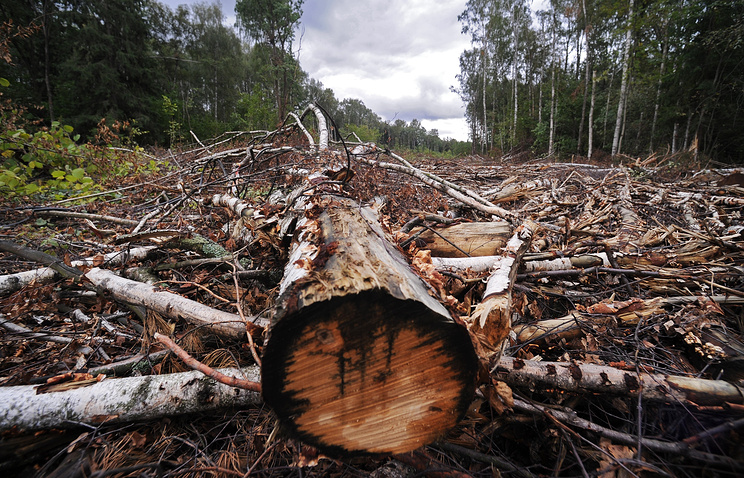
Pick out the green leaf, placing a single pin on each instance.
(78, 173)
(4, 82)
(32, 188)
(58, 174)
(67, 128)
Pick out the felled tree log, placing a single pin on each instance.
(474, 238)
(122, 400)
(360, 358)
(603, 379)
(490, 323)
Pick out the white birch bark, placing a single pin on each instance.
(590, 146)
(123, 400)
(623, 83)
(12, 282)
(168, 304)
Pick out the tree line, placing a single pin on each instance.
(157, 74)
(589, 77)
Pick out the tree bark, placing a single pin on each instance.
(169, 304)
(573, 377)
(623, 83)
(474, 238)
(122, 400)
(664, 52)
(490, 323)
(360, 357)
(590, 146)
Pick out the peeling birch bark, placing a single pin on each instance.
(490, 323)
(169, 304)
(123, 400)
(578, 377)
(12, 282)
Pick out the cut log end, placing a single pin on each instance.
(368, 373)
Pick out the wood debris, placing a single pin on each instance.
(605, 302)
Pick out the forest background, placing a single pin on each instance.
(578, 77)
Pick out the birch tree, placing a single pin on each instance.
(623, 81)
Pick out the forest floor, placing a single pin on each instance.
(670, 303)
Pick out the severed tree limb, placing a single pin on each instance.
(171, 305)
(123, 400)
(28, 333)
(205, 369)
(571, 418)
(490, 323)
(12, 282)
(485, 263)
(85, 215)
(322, 127)
(42, 257)
(446, 188)
(576, 377)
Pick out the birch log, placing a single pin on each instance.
(575, 377)
(360, 358)
(168, 304)
(122, 400)
(12, 282)
(490, 323)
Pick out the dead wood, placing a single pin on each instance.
(358, 345)
(634, 272)
(469, 239)
(12, 282)
(122, 400)
(171, 305)
(584, 377)
(490, 323)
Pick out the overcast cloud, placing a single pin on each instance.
(399, 57)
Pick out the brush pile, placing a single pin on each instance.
(604, 303)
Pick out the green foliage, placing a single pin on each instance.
(364, 132)
(170, 109)
(254, 111)
(685, 69)
(47, 161)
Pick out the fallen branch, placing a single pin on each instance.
(578, 377)
(12, 282)
(123, 400)
(170, 305)
(205, 369)
(490, 323)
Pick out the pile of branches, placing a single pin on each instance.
(624, 355)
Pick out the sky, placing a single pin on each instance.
(400, 57)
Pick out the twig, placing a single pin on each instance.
(205, 369)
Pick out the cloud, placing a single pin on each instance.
(399, 57)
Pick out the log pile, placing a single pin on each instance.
(522, 318)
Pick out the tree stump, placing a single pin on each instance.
(360, 358)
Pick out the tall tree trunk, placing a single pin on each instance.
(484, 140)
(551, 147)
(686, 143)
(583, 106)
(591, 114)
(586, 78)
(623, 82)
(607, 109)
(664, 52)
(47, 80)
(515, 71)
(539, 103)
